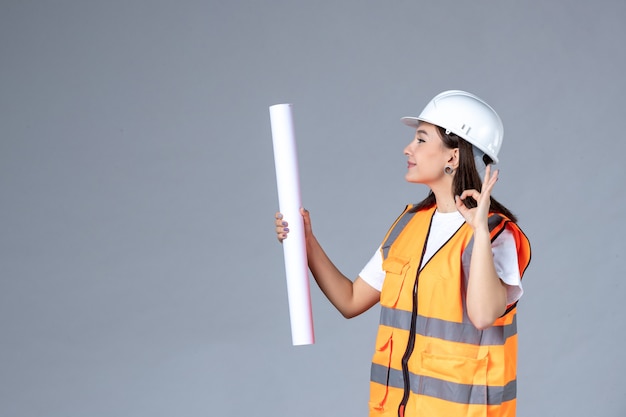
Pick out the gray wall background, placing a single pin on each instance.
(139, 273)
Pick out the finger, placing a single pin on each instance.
(279, 219)
(495, 176)
(487, 177)
(282, 233)
(470, 193)
(490, 175)
(488, 186)
(280, 222)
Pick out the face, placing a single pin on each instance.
(427, 156)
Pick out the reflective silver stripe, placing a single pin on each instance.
(405, 218)
(447, 330)
(493, 221)
(446, 390)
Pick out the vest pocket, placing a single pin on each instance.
(456, 369)
(381, 372)
(396, 269)
(457, 379)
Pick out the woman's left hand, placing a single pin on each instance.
(477, 217)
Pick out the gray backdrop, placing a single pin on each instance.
(139, 272)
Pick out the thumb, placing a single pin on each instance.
(306, 218)
(460, 206)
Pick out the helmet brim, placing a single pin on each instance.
(415, 121)
(411, 121)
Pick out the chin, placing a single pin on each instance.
(412, 179)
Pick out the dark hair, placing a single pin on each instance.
(466, 177)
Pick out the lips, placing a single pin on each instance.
(410, 164)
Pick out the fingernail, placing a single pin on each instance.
(286, 229)
(284, 223)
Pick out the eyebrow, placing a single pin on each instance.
(422, 132)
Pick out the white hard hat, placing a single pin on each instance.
(467, 116)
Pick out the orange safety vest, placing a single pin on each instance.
(430, 360)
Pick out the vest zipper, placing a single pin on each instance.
(409, 351)
(411, 342)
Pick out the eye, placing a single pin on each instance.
(420, 140)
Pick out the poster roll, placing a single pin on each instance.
(289, 202)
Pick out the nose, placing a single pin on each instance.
(408, 149)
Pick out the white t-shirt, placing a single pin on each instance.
(443, 227)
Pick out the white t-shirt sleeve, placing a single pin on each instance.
(373, 273)
(505, 260)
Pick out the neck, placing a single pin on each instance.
(444, 198)
(446, 205)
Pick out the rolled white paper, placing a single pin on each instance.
(289, 202)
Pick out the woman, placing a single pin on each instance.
(447, 275)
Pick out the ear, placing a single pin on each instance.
(453, 158)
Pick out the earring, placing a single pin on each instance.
(448, 169)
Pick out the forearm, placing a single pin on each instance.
(486, 294)
(337, 287)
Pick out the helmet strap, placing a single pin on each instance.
(479, 161)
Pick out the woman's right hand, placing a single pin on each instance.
(282, 226)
